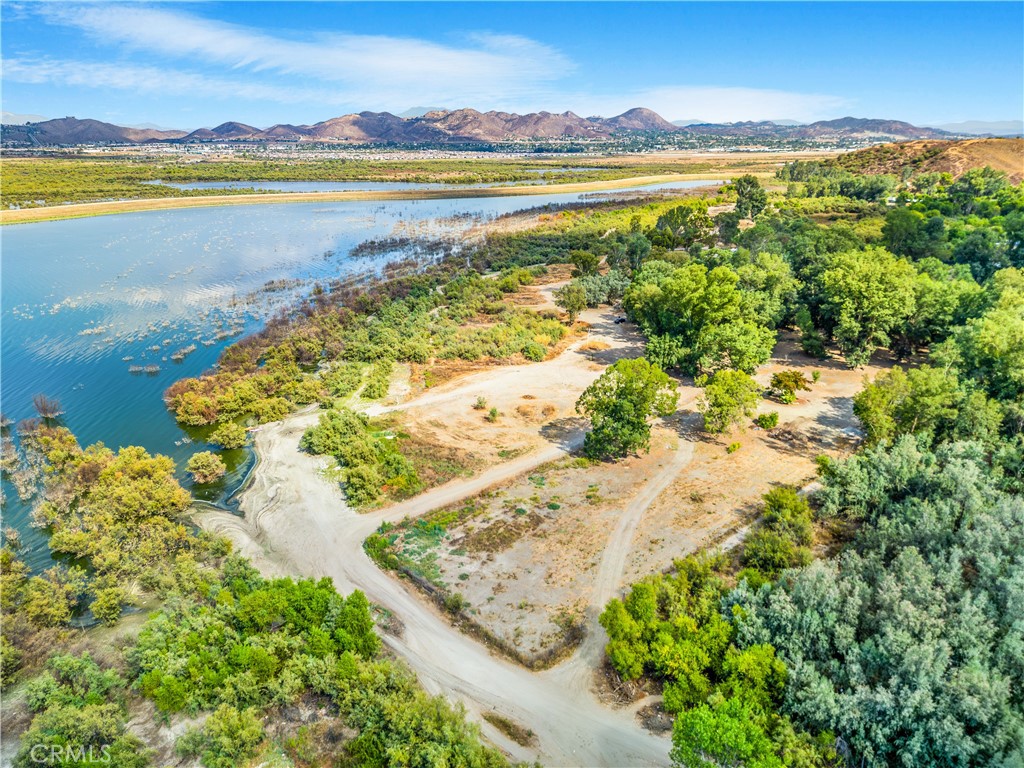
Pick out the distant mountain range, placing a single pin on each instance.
(463, 126)
(985, 127)
(11, 118)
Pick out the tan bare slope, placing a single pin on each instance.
(955, 157)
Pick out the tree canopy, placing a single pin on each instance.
(620, 404)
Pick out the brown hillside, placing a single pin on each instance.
(955, 157)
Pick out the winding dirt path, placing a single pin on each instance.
(296, 522)
(577, 672)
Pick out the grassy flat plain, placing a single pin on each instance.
(46, 188)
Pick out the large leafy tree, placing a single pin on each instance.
(866, 295)
(751, 198)
(907, 232)
(728, 397)
(620, 404)
(925, 401)
(729, 733)
(714, 324)
(991, 346)
(572, 298)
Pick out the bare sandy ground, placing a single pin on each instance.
(718, 494)
(297, 523)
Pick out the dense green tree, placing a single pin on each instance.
(604, 289)
(79, 718)
(728, 225)
(910, 233)
(991, 347)
(785, 384)
(584, 263)
(620, 404)
(769, 289)
(983, 251)
(228, 738)
(1013, 226)
(704, 311)
(686, 225)
(638, 248)
(925, 401)
(727, 733)
(751, 198)
(943, 296)
(866, 295)
(973, 185)
(229, 435)
(205, 467)
(368, 459)
(571, 298)
(904, 646)
(728, 398)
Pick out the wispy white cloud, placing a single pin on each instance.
(150, 80)
(170, 51)
(369, 68)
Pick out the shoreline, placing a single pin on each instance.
(112, 207)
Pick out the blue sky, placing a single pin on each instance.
(186, 65)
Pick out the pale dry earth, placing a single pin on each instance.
(296, 522)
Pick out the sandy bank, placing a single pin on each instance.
(82, 210)
(296, 522)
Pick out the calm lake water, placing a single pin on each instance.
(86, 302)
(311, 186)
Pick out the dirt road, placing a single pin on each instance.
(297, 523)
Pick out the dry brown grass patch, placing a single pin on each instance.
(526, 411)
(500, 535)
(524, 737)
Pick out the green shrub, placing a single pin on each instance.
(534, 351)
(379, 381)
(205, 467)
(228, 435)
(342, 380)
(785, 384)
(767, 420)
(370, 461)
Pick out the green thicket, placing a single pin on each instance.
(79, 717)
(905, 648)
(244, 644)
(370, 458)
(620, 405)
(118, 515)
(445, 313)
(226, 644)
